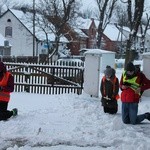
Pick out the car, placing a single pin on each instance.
(70, 62)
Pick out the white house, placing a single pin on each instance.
(18, 30)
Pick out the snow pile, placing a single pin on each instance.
(74, 122)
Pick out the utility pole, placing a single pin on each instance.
(33, 27)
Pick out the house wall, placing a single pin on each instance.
(109, 45)
(76, 42)
(92, 36)
(21, 40)
(74, 47)
(147, 43)
(91, 33)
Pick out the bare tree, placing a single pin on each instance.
(143, 32)
(144, 26)
(134, 19)
(44, 26)
(88, 13)
(3, 3)
(121, 15)
(105, 8)
(60, 13)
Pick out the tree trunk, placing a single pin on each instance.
(130, 53)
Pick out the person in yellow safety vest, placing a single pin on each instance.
(109, 89)
(132, 84)
(6, 87)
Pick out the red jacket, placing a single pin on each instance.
(129, 95)
(6, 85)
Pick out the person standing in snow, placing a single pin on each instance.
(6, 87)
(109, 89)
(132, 84)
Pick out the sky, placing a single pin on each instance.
(70, 122)
(86, 4)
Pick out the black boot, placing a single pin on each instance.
(147, 116)
(15, 112)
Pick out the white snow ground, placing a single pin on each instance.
(70, 122)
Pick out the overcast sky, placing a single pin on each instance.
(85, 4)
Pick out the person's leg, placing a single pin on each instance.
(4, 113)
(3, 106)
(113, 110)
(106, 110)
(134, 118)
(125, 113)
(115, 107)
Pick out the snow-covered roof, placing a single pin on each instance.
(25, 19)
(83, 23)
(80, 33)
(112, 32)
(97, 51)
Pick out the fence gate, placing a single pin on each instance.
(45, 79)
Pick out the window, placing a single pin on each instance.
(9, 20)
(8, 31)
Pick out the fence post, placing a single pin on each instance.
(27, 77)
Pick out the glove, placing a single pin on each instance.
(1, 89)
(127, 84)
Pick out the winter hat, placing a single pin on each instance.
(113, 72)
(2, 67)
(108, 72)
(130, 67)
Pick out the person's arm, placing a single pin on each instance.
(121, 85)
(124, 85)
(116, 87)
(10, 84)
(101, 87)
(145, 83)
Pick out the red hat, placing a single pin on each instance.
(2, 67)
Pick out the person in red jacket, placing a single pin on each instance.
(132, 84)
(6, 87)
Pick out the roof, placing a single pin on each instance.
(25, 19)
(84, 23)
(97, 51)
(112, 32)
(80, 33)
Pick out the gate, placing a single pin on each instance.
(46, 79)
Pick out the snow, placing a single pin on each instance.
(97, 51)
(70, 122)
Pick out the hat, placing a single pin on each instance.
(130, 67)
(2, 67)
(108, 72)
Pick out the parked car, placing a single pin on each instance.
(70, 62)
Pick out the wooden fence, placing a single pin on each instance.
(46, 79)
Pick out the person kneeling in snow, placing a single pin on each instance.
(109, 89)
(6, 87)
(133, 83)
